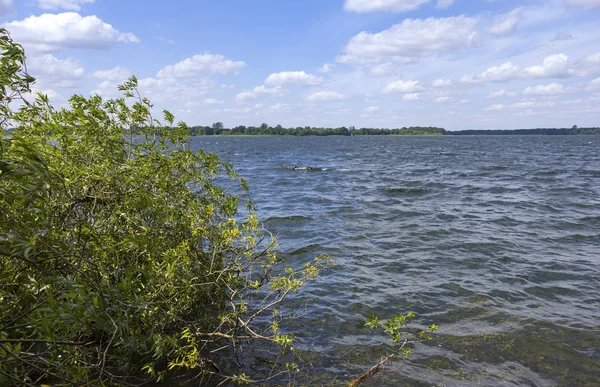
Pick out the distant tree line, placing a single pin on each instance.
(265, 130)
(575, 130)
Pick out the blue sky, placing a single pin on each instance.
(377, 63)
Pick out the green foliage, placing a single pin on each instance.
(394, 327)
(266, 130)
(120, 258)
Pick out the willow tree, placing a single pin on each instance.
(120, 256)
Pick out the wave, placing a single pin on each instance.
(306, 168)
(287, 219)
(405, 191)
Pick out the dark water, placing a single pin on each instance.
(495, 239)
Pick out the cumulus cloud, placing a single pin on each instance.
(502, 94)
(115, 74)
(161, 89)
(56, 72)
(293, 78)
(503, 72)
(412, 97)
(410, 86)
(204, 63)
(585, 4)
(532, 104)
(212, 101)
(414, 38)
(382, 69)
(521, 105)
(371, 109)
(553, 66)
(280, 107)
(508, 23)
(500, 73)
(248, 95)
(325, 96)
(588, 66)
(245, 96)
(70, 5)
(326, 69)
(277, 90)
(53, 32)
(551, 89)
(495, 107)
(237, 111)
(440, 83)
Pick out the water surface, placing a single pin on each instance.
(495, 239)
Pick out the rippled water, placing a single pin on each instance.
(495, 239)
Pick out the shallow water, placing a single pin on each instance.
(494, 239)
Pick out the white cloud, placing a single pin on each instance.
(444, 3)
(52, 32)
(594, 85)
(443, 99)
(562, 36)
(327, 68)
(160, 90)
(371, 109)
(6, 7)
(502, 94)
(588, 66)
(116, 74)
(553, 66)
(495, 107)
(70, 5)
(508, 24)
(227, 86)
(532, 104)
(56, 72)
(245, 96)
(414, 38)
(277, 90)
(439, 83)
(412, 97)
(279, 107)
(259, 106)
(551, 89)
(237, 111)
(382, 69)
(364, 6)
(505, 72)
(325, 96)
(403, 87)
(212, 101)
(293, 78)
(586, 4)
(204, 63)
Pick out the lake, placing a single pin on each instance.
(496, 239)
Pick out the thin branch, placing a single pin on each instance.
(375, 369)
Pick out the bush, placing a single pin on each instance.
(120, 257)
